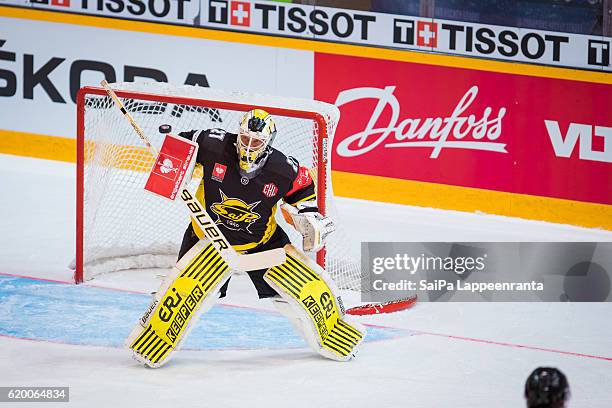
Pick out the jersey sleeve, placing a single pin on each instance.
(302, 187)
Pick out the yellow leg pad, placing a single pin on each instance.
(169, 316)
(298, 282)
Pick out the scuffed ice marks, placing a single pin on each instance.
(65, 313)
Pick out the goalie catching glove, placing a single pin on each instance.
(314, 227)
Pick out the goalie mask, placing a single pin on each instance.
(256, 134)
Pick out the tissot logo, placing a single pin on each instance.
(180, 10)
(61, 3)
(403, 31)
(217, 11)
(427, 34)
(236, 13)
(290, 19)
(240, 13)
(599, 53)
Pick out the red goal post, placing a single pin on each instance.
(111, 164)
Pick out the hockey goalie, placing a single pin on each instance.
(245, 179)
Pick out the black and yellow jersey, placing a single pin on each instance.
(245, 208)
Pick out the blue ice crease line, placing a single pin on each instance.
(52, 311)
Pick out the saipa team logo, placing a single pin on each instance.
(234, 213)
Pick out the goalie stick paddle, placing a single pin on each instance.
(236, 261)
(386, 307)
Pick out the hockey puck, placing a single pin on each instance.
(165, 128)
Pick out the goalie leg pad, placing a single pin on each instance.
(301, 325)
(316, 314)
(186, 293)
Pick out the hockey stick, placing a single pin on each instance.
(236, 261)
(386, 307)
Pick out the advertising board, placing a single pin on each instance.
(496, 131)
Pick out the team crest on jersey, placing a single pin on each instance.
(269, 190)
(218, 173)
(235, 214)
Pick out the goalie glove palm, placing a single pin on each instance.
(314, 227)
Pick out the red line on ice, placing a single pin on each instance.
(34, 278)
(505, 344)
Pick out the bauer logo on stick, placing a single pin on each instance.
(171, 166)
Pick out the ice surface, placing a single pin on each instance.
(434, 355)
(111, 315)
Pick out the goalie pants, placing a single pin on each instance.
(278, 240)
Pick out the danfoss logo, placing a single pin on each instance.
(459, 130)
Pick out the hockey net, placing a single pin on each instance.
(120, 226)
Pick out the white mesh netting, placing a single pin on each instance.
(125, 227)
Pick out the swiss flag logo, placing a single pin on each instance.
(240, 13)
(62, 3)
(427, 34)
(218, 173)
(270, 190)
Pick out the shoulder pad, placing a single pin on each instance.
(191, 135)
(295, 165)
(215, 133)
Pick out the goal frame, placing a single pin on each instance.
(321, 150)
